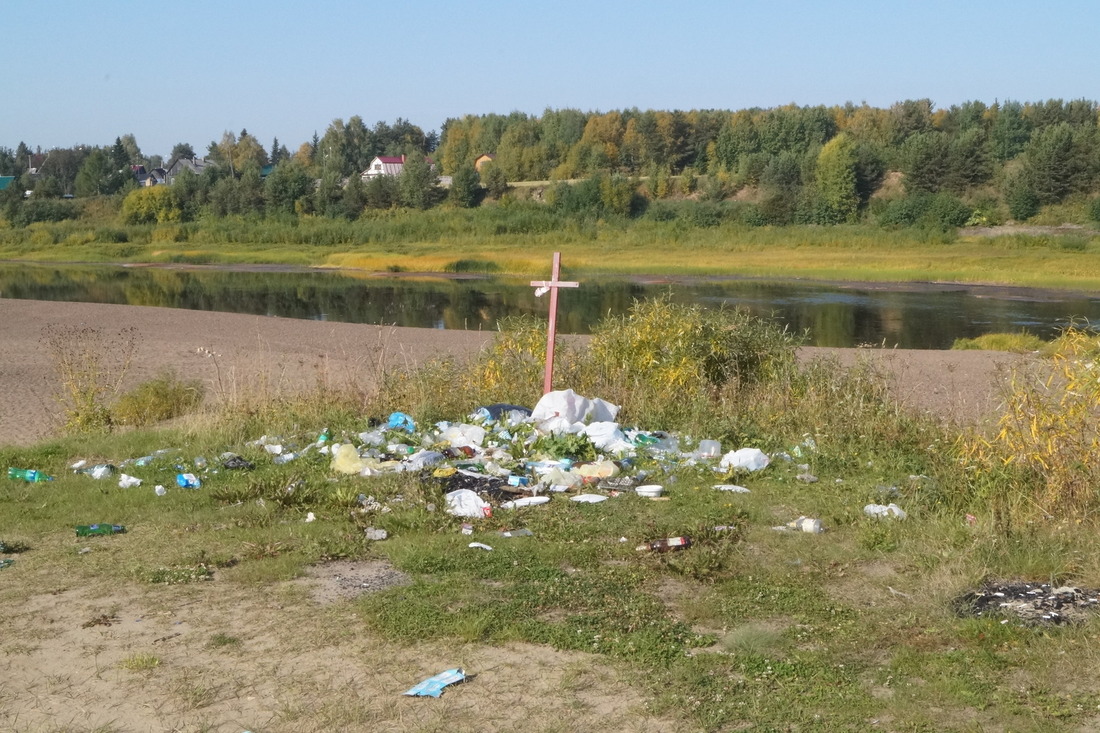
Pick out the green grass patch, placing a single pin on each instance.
(1020, 343)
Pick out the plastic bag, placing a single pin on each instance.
(888, 510)
(401, 421)
(608, 437)
(345, 459)
(749, 459)
(573, 407)
(464, 435)
(433, 686)
(466, 503)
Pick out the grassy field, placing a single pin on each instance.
(198, 617)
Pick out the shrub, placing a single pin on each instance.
(937, 212)
(161, 398)
(1094, 209)
(1045, 458)
(666, 361)
(43, 210)
(471, 265)
(111, 236)
(151, 205)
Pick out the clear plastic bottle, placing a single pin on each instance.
(30, 475)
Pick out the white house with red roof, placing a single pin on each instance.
(384, 165)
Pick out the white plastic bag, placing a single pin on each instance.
(748, 459)
(608, 437)
(573, 407)
(888, 510)
(463, 435)
(466, 503)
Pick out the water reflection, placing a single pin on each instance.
(929, 317)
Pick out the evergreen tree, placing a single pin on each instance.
(119, 158)
(417, 183)
(926, 161)
(354, 199)
(465, 186)
(496, 183)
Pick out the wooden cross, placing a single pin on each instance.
(541, 287)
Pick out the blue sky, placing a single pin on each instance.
(167, 72)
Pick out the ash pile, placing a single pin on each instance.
(1033, 604)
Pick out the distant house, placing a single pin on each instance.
(482, 160)
(144, 179)
(6, 181)
(384, 166)
(388, 166)
(178, 165)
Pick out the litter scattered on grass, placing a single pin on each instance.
(89, 530)
(433, 686)
(588, 498)
(884, 510)
(802, 524)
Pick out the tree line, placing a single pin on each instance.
(788, 164)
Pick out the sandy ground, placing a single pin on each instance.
(232, 352)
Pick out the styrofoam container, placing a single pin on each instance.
(650, 491)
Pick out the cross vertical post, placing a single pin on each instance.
(541, 287)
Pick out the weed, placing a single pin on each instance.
(90, 365)
(181, 574)
(224, 641)
(140, 662)
(159, 399)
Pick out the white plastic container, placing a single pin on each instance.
(806, 524)
(650, 491)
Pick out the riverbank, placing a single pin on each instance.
(519, 240)
(233, 353)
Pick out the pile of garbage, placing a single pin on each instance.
(500, 457)
(508, 456)
(1033, 604)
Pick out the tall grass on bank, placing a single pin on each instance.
(685, 237)
(1044, 460)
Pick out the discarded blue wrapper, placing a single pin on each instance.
(401, 421)
(188, 481)
(433, 686)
